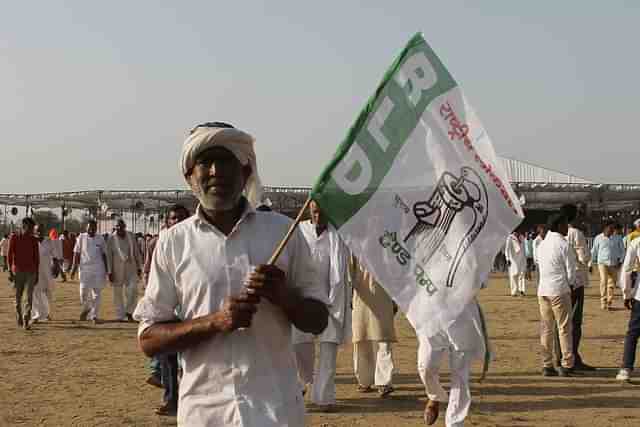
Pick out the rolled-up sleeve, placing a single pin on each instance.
(160, 298)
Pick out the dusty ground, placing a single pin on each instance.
(71, 373)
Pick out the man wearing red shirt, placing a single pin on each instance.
(24, 258)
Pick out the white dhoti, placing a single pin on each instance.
(517, 283)
(464, 340)
(42, 292)
(93, 274)
(40, 308)
(92, 281)
(90, 298)
(330, 256)
(323, 389)
(514, 253)
(373, 363)
(429, 360)
(125, 296)
(124, 261)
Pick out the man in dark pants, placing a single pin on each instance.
(631, 296)
(24, 258)
(168, 363)
(169, 380)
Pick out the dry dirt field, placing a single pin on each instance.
(71, 373)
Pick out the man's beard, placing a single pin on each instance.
(213, 202)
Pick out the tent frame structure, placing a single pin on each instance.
(538, 187)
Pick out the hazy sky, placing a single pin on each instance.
(101, 94)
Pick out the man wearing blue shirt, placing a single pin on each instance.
(607, 253)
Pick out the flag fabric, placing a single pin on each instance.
(417, 192)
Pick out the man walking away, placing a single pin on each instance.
(557, 276)
(578, 243)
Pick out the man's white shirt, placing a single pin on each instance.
(47, 254)
(92, 250)
(578, 242)
(557, 263)
(514, 253)
(123, 257)
(536, 244)
(631, 258)
(327, 250)
(4, 247)
(247, 377)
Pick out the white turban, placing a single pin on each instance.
(238, 142)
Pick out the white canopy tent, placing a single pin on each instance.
(538, 188)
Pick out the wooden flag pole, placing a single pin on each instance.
(285, 240)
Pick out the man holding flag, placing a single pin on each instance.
(231, 322)
(417, 193)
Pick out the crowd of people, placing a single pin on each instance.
(560, 254)
(232, 337)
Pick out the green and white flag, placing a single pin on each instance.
(417, 193)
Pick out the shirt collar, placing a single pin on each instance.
(555, 234)
(202, 222)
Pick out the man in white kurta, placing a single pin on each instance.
(541, 233)
(212, 297)
(330, 258)
(44, 287)
(90, 259)
(373, 331)
(514, 253)
(4, 252)
(464, 340)
(124, 267)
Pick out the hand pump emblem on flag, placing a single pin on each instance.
(417, 192)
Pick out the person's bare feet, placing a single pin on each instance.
(431, 412)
